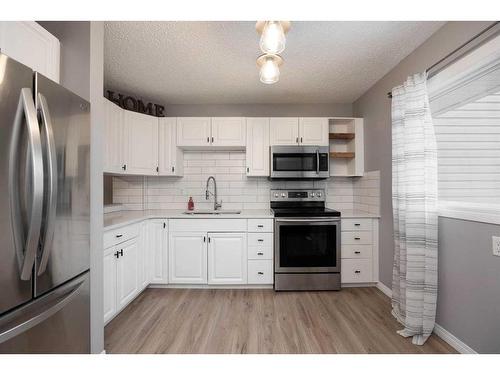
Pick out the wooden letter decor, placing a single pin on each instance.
(137, 105)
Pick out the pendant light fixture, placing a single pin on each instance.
(272, 42)
(269, 68)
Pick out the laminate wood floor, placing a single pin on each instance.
(354, 320)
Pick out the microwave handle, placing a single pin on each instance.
(317, 161)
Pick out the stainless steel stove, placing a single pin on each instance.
(306, 241)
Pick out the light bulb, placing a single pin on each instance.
(273, 38)
(269, 71)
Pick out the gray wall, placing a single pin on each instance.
(469, 283)
(375, 108)
(256, 110)
(75, 54)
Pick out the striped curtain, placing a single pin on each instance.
(414, 204)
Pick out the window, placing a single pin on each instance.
(465, 103)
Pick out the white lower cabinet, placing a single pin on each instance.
(158, 251)
(227, 258)
(187, 258)
(109, 283)
(126, 272)
(260, 272)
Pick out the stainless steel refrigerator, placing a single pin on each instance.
(44, 214)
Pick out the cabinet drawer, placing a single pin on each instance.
(356, 270)
(120, 235)
(356, 251)
(356, 224)
(356, 238)
(260, 239)
(260, 225)
(260, 272)
(260, 252)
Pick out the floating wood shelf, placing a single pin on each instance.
(343, 155)
(342, 135)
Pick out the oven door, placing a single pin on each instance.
(308, 162)
(307, 245)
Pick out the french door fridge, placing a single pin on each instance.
(44, 214)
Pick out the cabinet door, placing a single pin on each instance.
(158, 246)
(227, 258)
(257, 152)
(31, 45)
(141, 137)
(313, 131)
(187, 258)
(228, 131)
(143, 258)
(193, 131)
(126, 271)
(170, 157)
(109, 284)
(284, 131)
(113, 138)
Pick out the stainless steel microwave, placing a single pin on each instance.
(300, 162)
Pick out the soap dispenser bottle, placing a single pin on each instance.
(190, 204)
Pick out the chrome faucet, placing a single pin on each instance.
(208, 192)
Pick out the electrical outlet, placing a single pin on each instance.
(496, 245)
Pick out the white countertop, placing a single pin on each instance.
(357, 214)
(121, 218)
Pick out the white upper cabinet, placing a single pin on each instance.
(170, 157)
(313, 131)
(228, 131)
(227, 258)
(257, 143)
(187, 258)
(141, 135)
(284, 131)
(193, 131)
(32, 45)
(113, 138)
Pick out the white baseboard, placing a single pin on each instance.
(440, 332)
(384, 289)
(206, 286)
(453, 341)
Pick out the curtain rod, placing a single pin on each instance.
(465, 48)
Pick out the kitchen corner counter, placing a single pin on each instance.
(357, 214)
(118, 219)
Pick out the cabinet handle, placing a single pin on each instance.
(357, 224)
(173, 169)
(124, 167)
(212, 139)
(260, 273)
(260, 253)
(357, 252)
(204, 239)
(260, 240)
(209, 239)
(119, 235)
(357, 238)
(208, 139)
(297, 140)
(260, 226)
(357, 271)
(121, 252)
(164, 225)
(117, 255)
(301, 141)
(248, 169)
(157, 169)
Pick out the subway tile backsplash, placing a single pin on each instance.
(236, 190)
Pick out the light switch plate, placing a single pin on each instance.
(496, 245)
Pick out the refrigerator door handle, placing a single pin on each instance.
(26, 249)
(51, 204)
(35, 313)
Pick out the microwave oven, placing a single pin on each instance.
(300, 162)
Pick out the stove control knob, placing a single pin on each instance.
(312, 194)
(283, 195)
(276, 195)
(318, 194)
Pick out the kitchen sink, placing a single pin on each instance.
(212, 212)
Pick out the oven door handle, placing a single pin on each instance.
(306, 220)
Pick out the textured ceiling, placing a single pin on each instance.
(214, 62)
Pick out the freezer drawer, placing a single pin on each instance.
(58, 322)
